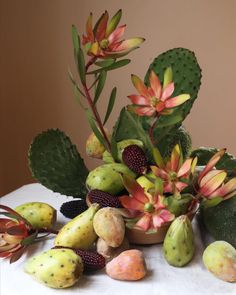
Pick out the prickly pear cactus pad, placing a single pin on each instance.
(55, 162)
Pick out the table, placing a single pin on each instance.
(162, 279)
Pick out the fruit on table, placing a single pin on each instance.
(128, 266)
(94, 148)
(178, 245)
(79, 232)
(220, 259)
(110, 226)
(39, 215)
(55, 268)
(103, 199)
(73, 208)
(134, 157)
(107, 178)
(109, 252)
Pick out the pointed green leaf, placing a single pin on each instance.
(168, 76)
(114, 149)
(95, 129)
(77, 96)
(74, 83)
(158, 186)
(105, 63)
(115, 65)
(110, 104)
(81, 65)
(113, 22)
(76, 42)
(100, 86)
(29, 240)
(158, 158)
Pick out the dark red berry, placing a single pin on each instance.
(135, 159)
(73, 208)
(92, 260)
(103, 199)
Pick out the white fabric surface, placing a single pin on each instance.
(162, 279)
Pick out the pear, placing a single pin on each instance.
(79, 232)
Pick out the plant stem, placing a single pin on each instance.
(49, 231)
(151, 130)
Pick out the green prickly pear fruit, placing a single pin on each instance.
(220, 259)
(39, 215)
(79, 232)
(107, 178)
(94, 148)
(55, 268)
(178, 206)
(178, 245)
(109, 225)
(107, 158)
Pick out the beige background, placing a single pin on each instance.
(36, 51)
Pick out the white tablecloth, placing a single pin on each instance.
(162, 279)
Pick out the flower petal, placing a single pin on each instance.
(209, 176)
(113, 23)
(177, 100)
(89, 28)
(226, 189)
(160, 106)
(140, 86)
(168, 76)
(159, 172)
(131, 203)
(180, 185)
(117, 34)
(175, 157)
(135, 189)
(211, 163)
(168, 91)
(155, 84)
(101, 27)
(129, 44)
(144, 222)
(213, 184)
(145, 111)
(138, 99)
(166, 215)
(185, 168)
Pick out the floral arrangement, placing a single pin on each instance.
(150, 185)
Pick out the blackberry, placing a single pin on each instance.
(135, 159)
(73, 208)
(103, 199)
(92, 260)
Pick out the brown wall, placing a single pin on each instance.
(36, 51)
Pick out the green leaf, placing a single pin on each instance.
(115, 65)
(158, 158)
(110, 104)
(74, 83)
(81, 65)
(95, 129)
(105, 63)
(29, 240)
(212, 202)
(77, 96)
(227, 162)
(100, 86)
(113, 22)
(55, 162)
(114, 150)
(76, 42)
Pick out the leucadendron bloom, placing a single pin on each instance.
(148, 209)
(175, 172)
(156, 99)
(104, 40)
(212, 183)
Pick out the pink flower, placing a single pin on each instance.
(156, 99)
(175, 173)
(149, 209)
(104, 40)
(211, 181)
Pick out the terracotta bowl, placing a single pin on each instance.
(140, 237)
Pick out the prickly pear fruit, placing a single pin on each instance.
(94, 148)
(79, 232)
(39, 215)
(109, 225)
(109, 252)
(220, 259)
(128, 266)
(107, 178)
(56, 268)
(178, 245)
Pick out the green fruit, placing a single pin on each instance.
(79, 232)
(220, 220)
(178, 206)
(107, 178)
(107, 158)
(56, 268)
(178, 245)
(220, 259)
(39, 215)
